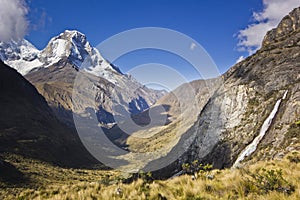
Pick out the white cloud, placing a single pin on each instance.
(241, 58)
(13, 22)
(250, 38)
(193, 46)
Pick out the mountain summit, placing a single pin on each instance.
(69, 44)
(74, 46)
(287, 26)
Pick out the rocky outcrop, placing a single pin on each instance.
(288, 25)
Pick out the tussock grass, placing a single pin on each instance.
(225, 184)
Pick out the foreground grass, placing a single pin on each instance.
(251, 182)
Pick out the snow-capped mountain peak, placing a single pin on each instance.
(21, 55)
(15, 50)
(71, 45)
(74, 45)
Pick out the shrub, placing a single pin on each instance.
(293, 131)
(195, 167)
(146, 177)
(265, 181)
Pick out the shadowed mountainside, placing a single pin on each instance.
(29, 128)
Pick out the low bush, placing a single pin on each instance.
(264, 181)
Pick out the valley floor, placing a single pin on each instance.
(262, 180)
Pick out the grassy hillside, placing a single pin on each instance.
(263, 180)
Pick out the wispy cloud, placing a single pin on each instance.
(193, 46)
(13, 22)
(250, 38)
(39, 19)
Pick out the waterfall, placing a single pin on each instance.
(266, 125)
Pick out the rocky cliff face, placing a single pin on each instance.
(234, 115)
(287, 26)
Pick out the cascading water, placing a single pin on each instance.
(266, 125)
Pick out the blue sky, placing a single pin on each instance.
(213, 24)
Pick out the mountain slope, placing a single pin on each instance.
(181, 113)
(251, 89)
(29, 128)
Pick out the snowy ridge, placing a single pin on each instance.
(21, 55)
(71, 44)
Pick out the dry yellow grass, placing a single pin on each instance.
(225, 184)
